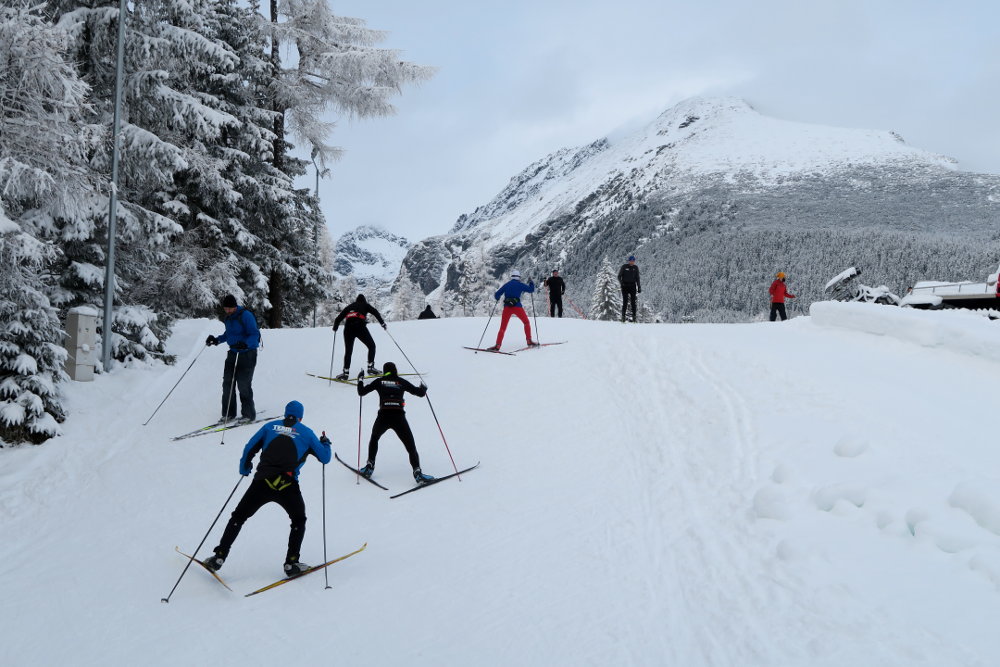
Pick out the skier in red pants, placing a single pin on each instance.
(511, 292)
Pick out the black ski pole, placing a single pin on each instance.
(325, 569)
(333, 354)
(534, 315)
(430, 404)
(480, 343)
(357, 479)
(195, 554)
(174, 387)
(232, 394)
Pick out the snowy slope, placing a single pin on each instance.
(818, 492)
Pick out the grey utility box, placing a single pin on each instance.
(81, 342)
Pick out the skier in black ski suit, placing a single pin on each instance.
(557, 287)
(628, 278)
(356, 326)
(391, 415)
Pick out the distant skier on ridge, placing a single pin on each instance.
(511, 292)
(778, 293)
(557, 287)
(628, 278)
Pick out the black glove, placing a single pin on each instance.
(210, 341)
(639, 291)
(334, 329)
(361, 375)
(325, 440)
(383, 326)
(424, 387)
(240, 346)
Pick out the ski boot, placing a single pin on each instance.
(495, 348)
(367, 471)
(421, 478)
(343, 376)
(372, 370)
(532, 343)
(215, 561)
(293, 566)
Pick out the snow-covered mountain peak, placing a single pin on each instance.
(699, 138)
(369, 253)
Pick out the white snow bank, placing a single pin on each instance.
(961, 331)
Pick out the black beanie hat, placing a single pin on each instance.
(229, 301)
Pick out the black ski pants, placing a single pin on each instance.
(282, 490)
(778, 309)
(360, 333)
(240, 363)
(555, 302)
(395, 420)
(628, 295)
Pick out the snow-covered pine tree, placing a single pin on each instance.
(606, 300)
(40, 152)
(337, 68)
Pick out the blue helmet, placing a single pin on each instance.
(294, 409)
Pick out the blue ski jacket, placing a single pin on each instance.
(241, 328)
(512, 292)
(283, 448)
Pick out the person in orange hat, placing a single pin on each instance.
(778, 295)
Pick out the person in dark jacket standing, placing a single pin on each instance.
(243, 337)
(778, 293)
(356, 327)
(557, 287)
(427, 314)
(511, 292)
(284, 445)
(391, 415)
(628, 278)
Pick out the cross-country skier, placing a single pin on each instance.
(356, 327)
(283, 445)
(628, 278)
(511, 292)
(778, 293)
(557, 287)
(243, 337)
(391, 415)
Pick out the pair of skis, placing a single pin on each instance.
(511, 354)
(218, 428)
(411, 490)
(279, 582)
(351, 381)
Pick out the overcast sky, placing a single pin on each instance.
(519, 79)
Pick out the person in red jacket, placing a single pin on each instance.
(778, 294)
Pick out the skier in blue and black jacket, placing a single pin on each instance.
(511, 292)
(243, 337)
(284, 445)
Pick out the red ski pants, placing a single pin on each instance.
(505, 317)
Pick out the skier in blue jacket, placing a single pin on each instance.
(511, 292)
(243, 337)
(284, 445)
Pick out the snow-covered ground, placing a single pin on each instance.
(817, 492)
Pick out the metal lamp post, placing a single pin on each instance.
(109, 271)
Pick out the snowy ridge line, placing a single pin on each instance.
(962, 331)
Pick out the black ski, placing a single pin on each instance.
(435, 481)
(537, 345)
(484, 349)
(356, 472)
(217, 428)
(354, 380)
